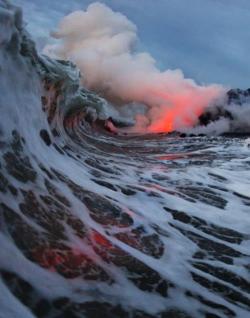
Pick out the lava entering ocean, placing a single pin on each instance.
(102, 44)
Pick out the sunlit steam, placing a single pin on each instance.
(102, 44)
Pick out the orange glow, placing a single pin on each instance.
(178, 109)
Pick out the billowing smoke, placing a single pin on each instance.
(102, 43)
(231, 116)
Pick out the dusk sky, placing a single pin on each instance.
(208, 39)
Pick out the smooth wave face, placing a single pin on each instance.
(94, 224)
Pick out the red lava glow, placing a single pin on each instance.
(170, 118)
(179, 110)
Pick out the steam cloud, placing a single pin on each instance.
(102, 43)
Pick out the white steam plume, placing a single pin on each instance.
(102, 44)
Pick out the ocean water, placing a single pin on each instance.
(97, 224)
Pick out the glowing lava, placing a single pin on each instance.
(179, 110)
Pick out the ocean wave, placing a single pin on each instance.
(98, 222)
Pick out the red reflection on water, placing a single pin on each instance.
(101, 240)
(173, 156)
(48, 258)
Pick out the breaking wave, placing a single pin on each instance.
(95, 221)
